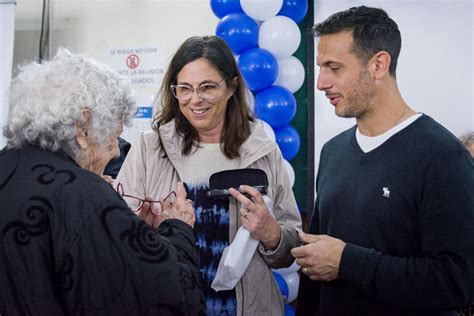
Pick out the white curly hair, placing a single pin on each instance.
(46, 102)
(467, 138)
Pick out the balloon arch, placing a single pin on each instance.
(264, 35)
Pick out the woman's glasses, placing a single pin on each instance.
(136, 203)
(207, 91)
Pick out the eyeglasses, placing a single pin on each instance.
(138, 202)
(207, 91)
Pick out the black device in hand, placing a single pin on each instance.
(220, 182)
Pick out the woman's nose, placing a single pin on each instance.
(195, 97)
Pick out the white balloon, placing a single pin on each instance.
(268, 130)
(293, 282)
(279, 35)
(290, 73)
(261, 10)
(291, 269)
(290, 170)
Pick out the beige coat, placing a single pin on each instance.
(146, 173)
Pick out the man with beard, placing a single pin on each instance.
(391, 232)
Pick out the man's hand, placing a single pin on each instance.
(319, 257)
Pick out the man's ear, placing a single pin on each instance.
(379, 64)
(82, 127)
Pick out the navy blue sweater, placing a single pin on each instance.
(406, 212)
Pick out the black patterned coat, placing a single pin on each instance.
(70, 245)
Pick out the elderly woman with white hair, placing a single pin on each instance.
(468, 140)
(68, 242)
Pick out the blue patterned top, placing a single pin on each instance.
(212, 236)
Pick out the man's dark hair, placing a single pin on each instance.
(372, 31)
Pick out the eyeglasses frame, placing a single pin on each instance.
(174, 86)
(142, 201)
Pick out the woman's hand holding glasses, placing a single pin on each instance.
(151, 212)
(181, 209)
(174, 205)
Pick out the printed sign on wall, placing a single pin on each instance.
(145, 66)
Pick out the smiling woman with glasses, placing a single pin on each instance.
(205, 126)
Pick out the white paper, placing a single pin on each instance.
(236, 257)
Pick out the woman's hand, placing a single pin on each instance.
(256, 218)
(151, 213)
(181, 209)
(154, 213)
(109, 179)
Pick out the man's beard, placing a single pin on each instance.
(360, 99)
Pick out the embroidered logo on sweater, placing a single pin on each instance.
(386, 192)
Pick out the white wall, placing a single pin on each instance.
(98, 27)
(7, 16)
(435, 67)
(90, 26)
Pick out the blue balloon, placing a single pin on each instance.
(275, 105)
(288, 140)
(239, 31)
(289, 311)
(294, 9)
(259, 68)
(281, 284)
(223, 7)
